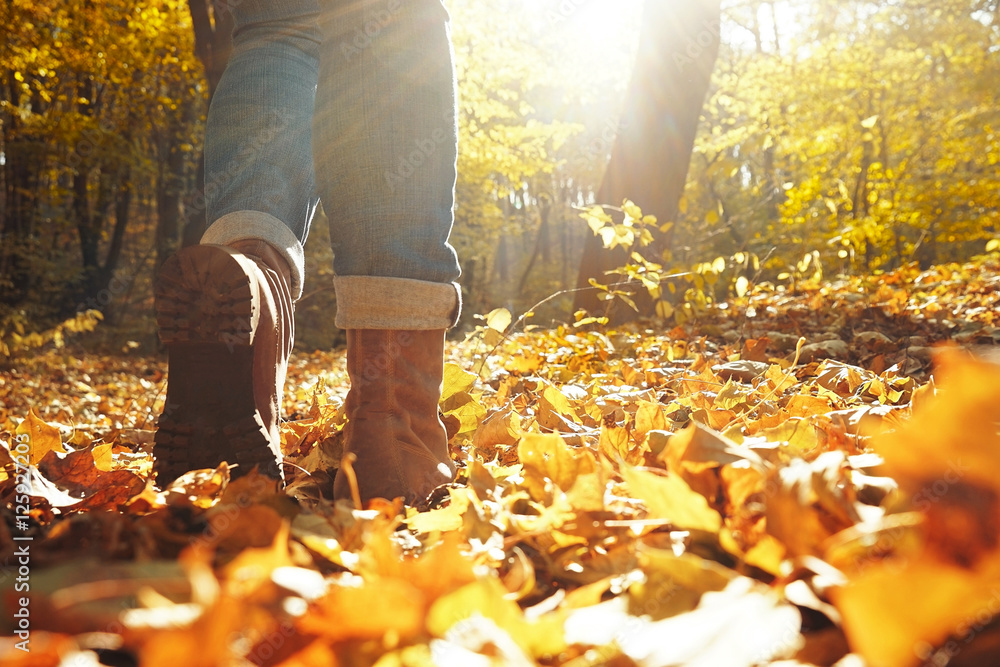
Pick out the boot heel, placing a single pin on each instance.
(181, 447)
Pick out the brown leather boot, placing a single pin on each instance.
(225, 316)
(393, 426)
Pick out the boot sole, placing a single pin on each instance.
(207, 309)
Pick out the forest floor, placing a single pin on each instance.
(802, 476)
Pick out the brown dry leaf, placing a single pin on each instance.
(89, 595)
(499, 427)
(755, 349)
(75, 471)
(810, 502)
(116, 489)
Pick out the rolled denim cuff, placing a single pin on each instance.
(375, 302)
(240, 225)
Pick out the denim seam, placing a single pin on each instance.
(240, 225)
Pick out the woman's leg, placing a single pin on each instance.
(385, 150)
(224, 308)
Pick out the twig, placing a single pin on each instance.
(531, 311)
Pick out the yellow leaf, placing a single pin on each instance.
(42, 437)
(499, 319)
(648, 417)
(869, 123)
(607, 236)
(673, 584)
(779, 380)
(890, 608)
(486, 598)
(698, 447)
(767, 555)
(467, 410)
(444, 519)
(669, 497)
(560, 404)
(380, 606)
(547, 456)
(742, 286)
(502, 427)
(103, 457)
(595, 224)
(631, 210)
(456, 380)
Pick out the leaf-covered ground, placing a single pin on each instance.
(782, 482)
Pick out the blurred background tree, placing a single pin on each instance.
(864, 130)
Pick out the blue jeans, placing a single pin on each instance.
(353, 101)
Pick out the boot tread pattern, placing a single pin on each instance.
(182, 447)
(213, 303)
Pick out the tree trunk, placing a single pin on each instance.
(541, 246)
(212, 23)
(84, 219)
(169, 186)
(213, 27)
(649, 161)
(123, 205)
(19, 200)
